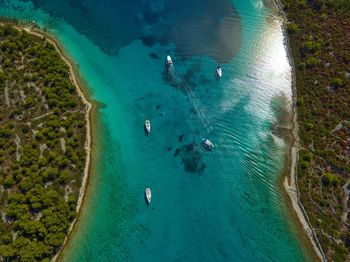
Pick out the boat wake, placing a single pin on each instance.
(181, 83)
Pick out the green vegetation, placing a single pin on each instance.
(319, 33)
(42, 153)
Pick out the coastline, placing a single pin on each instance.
(81, 90)
(290, 181)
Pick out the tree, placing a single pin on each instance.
(29, 156)
(8, 252)
(26, 184)
(65, 177)
(8, 182)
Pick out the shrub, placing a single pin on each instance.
(311, 62)
(300, 102)
(5, 132)
(302, 66)
(337, 82)
(307, 156)
(303, 165)
(29, 102)
(292, 28)
(310, 47)
(309, 126)
(330, 179)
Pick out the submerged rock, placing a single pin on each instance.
(191, 158)
(154, 55)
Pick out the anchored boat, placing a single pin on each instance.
(169, 62)
(207, 143)
(219, 71)
(148, 126)
(148, 195)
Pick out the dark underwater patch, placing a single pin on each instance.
(154, 55)
(111, 25)
(198, 27)
(150, 16)
(191, 158)
(149, 40)
(206, 27)
(180, 138)
(193, 111)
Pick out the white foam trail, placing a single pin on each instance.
(196, 103)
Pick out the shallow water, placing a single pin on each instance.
(219, 205)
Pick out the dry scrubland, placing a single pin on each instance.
(319, 33)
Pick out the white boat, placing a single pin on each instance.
(219, 71)
(207, 143)
(148, 126)
(168, 60)
(148, 195)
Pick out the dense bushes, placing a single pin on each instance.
(36, 172)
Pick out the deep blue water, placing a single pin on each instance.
(219, 205)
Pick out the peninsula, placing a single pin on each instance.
(44, 146)
(319, 33)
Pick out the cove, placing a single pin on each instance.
(219, 205)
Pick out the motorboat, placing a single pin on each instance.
(219, 71)
(148, 126)
(207, 143)
(148, 195)
(169, 68)
(169, 62)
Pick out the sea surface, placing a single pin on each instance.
(218, 205)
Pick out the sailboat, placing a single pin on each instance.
(148, 195)
(219, 71)
(148, 126)
(169, 62)
(207, 143)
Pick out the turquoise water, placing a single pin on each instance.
(219, 205)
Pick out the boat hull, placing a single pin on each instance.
(148, 195)
(207, 143)
(147, 127)
(219, 72)
(169, 61)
